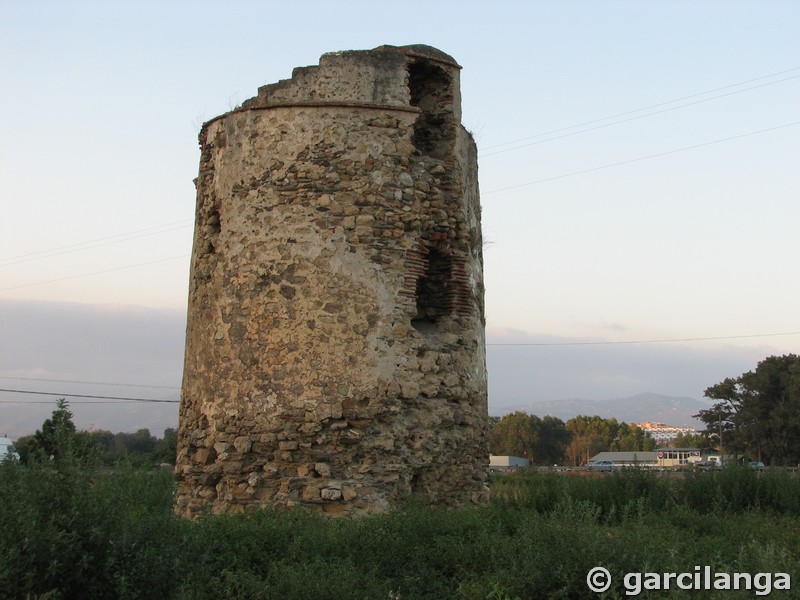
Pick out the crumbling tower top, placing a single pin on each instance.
(367, 77)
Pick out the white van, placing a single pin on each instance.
(7, 448)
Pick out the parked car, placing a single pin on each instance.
(757, 465)
(600, 465)
(707, 464)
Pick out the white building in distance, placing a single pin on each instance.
(664, 434)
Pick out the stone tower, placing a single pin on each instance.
(335, 353)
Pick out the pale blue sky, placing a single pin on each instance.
(102, 103)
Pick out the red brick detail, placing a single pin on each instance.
(456, 298)
(416, 267)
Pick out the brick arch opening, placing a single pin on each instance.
(432, 296)
(437, 283)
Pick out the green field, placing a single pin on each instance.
(69, 532)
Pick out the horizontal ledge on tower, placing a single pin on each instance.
(316, 104)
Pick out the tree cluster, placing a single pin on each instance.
(690, 440)
(758, 413)
(591, 435)
(59, 439)
(548, 440)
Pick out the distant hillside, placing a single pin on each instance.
(634, 409)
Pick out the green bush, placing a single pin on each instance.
(68, 530)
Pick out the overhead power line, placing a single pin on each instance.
(660, 341)
(66, 395)
(631, 112)
(151, 262)
(641, 158)
(111, 239)
(85, 246)
(136, 385)
(50, 402)
(563, 135)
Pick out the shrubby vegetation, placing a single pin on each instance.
(729, 491)
(58, 435)
(68, 530)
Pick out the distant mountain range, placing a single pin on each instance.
(676, 411)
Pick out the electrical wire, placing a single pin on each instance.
(630, 112)
(98, 241)
(558, 137)
(62, 394)
(137, 385)
(50, 402)
(152, 262)
(86, 246)
(660, 341)
(641, 158)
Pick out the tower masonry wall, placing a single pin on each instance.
(335, 353)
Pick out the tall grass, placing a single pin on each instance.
(731, 490)
(69, 532)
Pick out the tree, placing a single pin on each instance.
(632, 438)
(552, 440)
(758, 413)
(139, 447)
(167, 447)
(540, 440)
(689, 440)
(583, 447)
(58, 439)
(24, 447)
(140, 442)
(719, 419)
(591, 435)
(513, 435)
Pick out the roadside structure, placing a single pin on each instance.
(628, 459)
(507, 463)
(661, 457)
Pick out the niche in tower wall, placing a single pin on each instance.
(432, 287)
(430, 89)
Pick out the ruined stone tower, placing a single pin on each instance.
(335, 350)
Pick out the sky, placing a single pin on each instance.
(637, 165)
